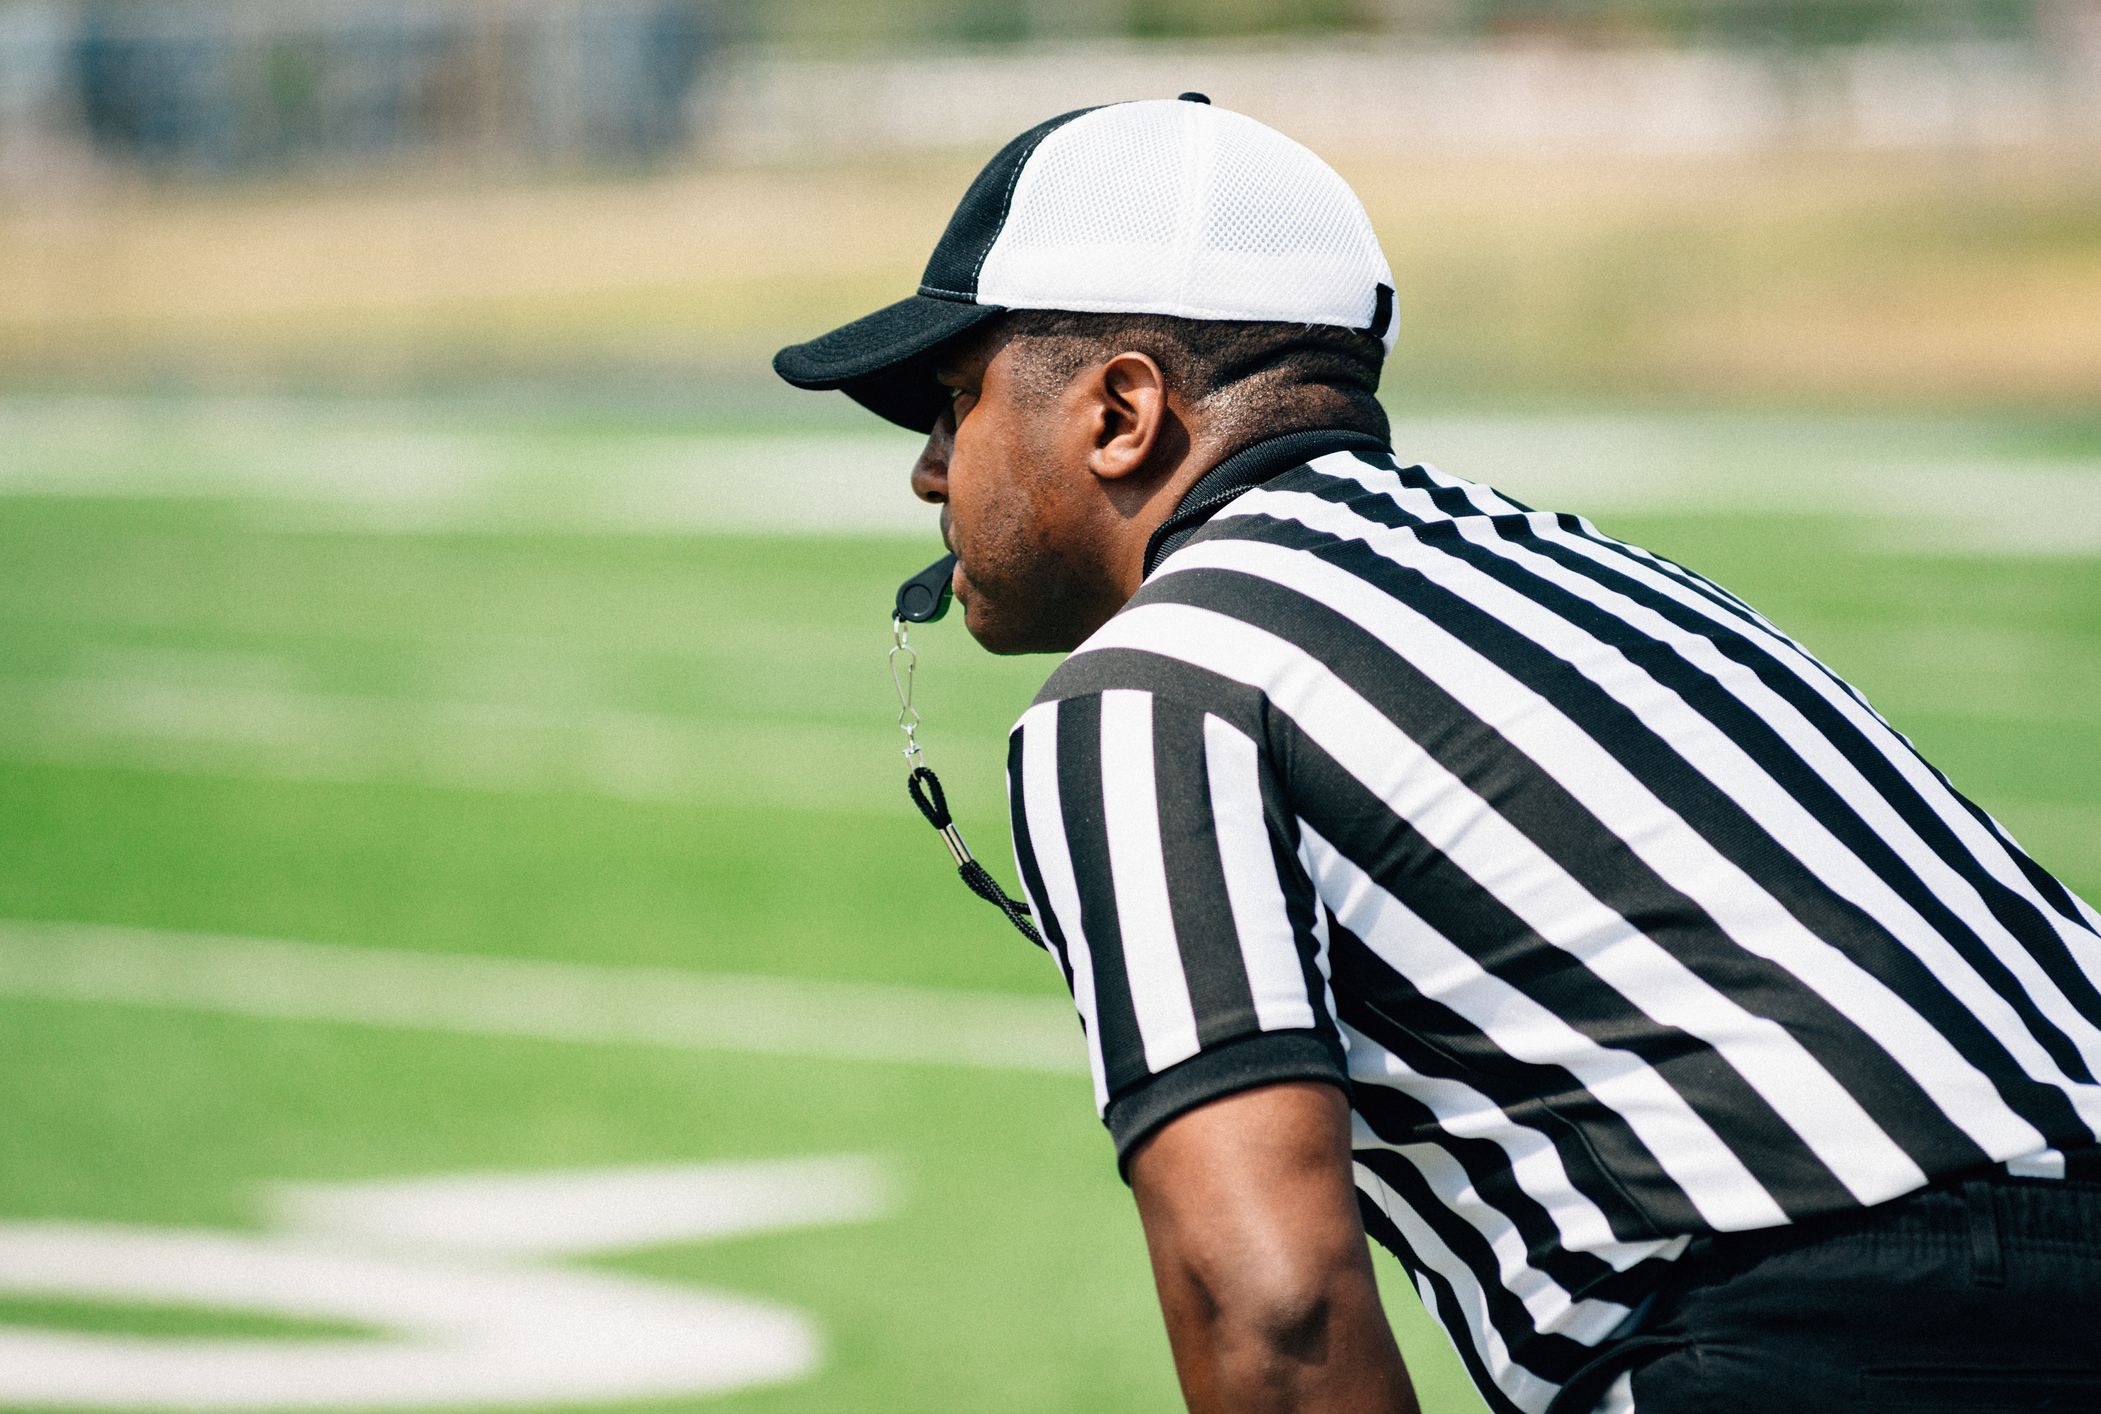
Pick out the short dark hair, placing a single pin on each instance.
(1254, 379)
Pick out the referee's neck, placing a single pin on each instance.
(1249, 466)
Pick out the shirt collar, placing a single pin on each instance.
(1249, 467)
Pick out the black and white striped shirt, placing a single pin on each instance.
(1621, 918)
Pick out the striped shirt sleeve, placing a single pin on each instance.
(1158, 851)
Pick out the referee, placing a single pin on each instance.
(1429, 866)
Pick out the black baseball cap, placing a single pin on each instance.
(1163, 206)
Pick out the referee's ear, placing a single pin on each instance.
(1126, 413)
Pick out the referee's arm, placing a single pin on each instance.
(1158, 847)
(1264, 1273)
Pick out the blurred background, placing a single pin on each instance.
(1886, 200)
(449, 802)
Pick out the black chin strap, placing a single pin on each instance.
(925, 789)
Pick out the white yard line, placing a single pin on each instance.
(452, 1274)
(211, 718)
(389, 468)
(551, 722)
(461, 1333)
(548, 1001)
(1938, 485)
(587, 1211)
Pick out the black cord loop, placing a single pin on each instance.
(925, 789)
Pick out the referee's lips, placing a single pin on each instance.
(956, 579)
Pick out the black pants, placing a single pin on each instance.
(1978, 1295)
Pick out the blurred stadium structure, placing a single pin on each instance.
(1891, 200)
(1524, 96)
(215, 87)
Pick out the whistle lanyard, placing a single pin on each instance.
(925, 789)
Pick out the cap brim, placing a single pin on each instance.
(883, 360)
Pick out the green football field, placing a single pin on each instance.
(392, 793)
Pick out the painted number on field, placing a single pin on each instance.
(459, 1274)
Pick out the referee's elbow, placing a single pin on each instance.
(1283, 1323)
(1276, 1310)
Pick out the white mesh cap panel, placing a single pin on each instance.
(1172, 207)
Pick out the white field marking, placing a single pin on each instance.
(1987, 509)
(549, 1001)
(598, 1210)
(1922, 493)
(261, 725)
(1925, 483)
(458, 1335)
(801, 484)
(466, 1315)
(542, 724)
(391, 467)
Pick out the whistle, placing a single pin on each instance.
(924, 597)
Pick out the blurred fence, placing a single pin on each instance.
(1528, 96)
(213, 88)
(230, 87)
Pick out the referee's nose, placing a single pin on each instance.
(930, 472)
